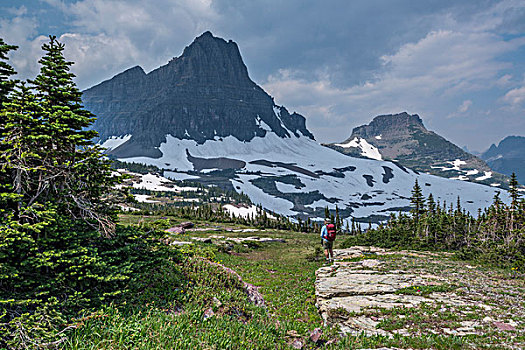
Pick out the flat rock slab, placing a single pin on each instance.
(357, 283)
(241, 240)
(341, 282)
(357, 303)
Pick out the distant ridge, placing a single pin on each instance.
(508, 157)
(404, 138)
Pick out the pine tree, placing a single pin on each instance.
(431, 205)
(77, 177)
(6, 71)
(515, 197)
(418, 202)
(337, 223)
(6, 86)
(513, 191)
(21, 158)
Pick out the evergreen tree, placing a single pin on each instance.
(431, 204)
(337, 223)
(55, 202)
(77, 177)
(6, 71)
(6, 86)
(22, 155)
(513, 191)
(418, 202)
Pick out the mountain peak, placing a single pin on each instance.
(399, 120)
(209, 59)
(508, 157)
(404, 138)
(204, 94)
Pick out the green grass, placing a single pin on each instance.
(426, 290)
(285, 275)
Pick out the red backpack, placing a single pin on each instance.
(330, 232)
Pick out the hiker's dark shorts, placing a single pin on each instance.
(327, 244)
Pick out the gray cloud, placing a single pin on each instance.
(337, 62)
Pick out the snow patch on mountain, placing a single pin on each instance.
(286, 188)
(487, 175)
(154, 182)
(180, 176)
(244, 211)
(143, 198)
(367, 150)
(258, 196)
(115, 141)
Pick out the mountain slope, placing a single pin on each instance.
(508, 157)
(403, 137)
(201, 117)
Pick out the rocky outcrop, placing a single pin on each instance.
(369, 288)
(205, 93)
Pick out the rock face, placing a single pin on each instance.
(508, 157)
(203, 94)
(379, 292)
(403, 137)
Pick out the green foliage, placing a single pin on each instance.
(82, 269)
(215, 313)
(60, 250)
(6, 84)
(418, 202)
(216, 213)
(135, 167)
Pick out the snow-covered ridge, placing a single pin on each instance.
(367, 150)
(115, 141)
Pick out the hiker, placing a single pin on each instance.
(328, 234)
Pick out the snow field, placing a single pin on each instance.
(311, 156)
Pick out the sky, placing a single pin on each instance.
(459, 65)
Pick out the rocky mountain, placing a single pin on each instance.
(201, 117)
(508, 157)
(203, 94)
(403, 138)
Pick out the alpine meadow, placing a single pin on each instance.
(184, 209)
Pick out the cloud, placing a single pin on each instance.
(505, 80)
(337, 65)
(105, 37)
(421, 77)
(17, 31)
(465, 106)
(515, 97)
(101, 51)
